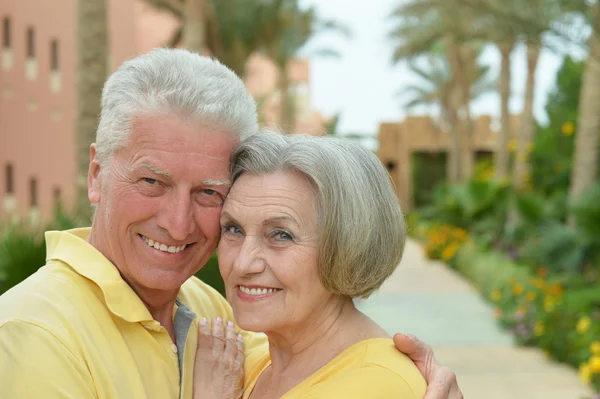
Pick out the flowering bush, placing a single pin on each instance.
(565, 323)
(444, 241)
(559, 315)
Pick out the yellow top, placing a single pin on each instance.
(368, 369)
(76, 330)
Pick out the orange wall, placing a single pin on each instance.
(37, 126)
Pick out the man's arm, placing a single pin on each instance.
(35, 364)
(441, 381)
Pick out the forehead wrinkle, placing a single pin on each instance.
(281, 211)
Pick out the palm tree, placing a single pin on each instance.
(585, 157)
(194, 25)
(291, 29)
(92, 46)
(421, 26)
(231, 30)
(434, 88)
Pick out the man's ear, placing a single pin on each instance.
(94, 178)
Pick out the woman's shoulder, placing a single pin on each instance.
(376, 365)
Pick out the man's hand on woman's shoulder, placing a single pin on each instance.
(441, 381)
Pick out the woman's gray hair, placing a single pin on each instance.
(361, 226)
(172, 81)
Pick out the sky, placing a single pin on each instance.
(362, 84)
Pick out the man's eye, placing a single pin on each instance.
(150, 180)
(209, 192)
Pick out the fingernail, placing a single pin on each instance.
(219, 320)
(229, 324)
(240, 337)
(203, 321)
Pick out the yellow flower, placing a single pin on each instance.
(556, 289)
(449, 251)
(539, 283)
(517, 289)
(568, 128)
(594, 364)
(539, 329)
(595, 348)
(512, 145)
(585, 373)
(549, 304)
(496, 295)
(583, 324)
(531, 296)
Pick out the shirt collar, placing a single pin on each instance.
(71, 247)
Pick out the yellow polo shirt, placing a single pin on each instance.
(372, 369)
(75, 329)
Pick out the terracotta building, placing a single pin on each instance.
(37, 93)
(399, 140)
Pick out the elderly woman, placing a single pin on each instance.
(309, 224)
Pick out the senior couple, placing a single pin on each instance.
(303, 225)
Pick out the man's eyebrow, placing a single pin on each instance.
(213, 182)
(155, 170)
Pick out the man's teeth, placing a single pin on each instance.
(162, 247)
(257, 291)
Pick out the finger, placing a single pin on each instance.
(413, 347)
(405, 344)
(443, 382)
(231, 346)
(204, 336)
(239, 360)
(218, 338)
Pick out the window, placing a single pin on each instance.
(30, 43)
(33, 199)
(10, 188)
(6, 39)
(54, 55)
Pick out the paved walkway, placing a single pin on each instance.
(427, 299)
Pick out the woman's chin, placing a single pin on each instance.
(250, 323)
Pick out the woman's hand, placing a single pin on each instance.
(219, 366)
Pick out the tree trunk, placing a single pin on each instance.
(501, 155)
(193, 26)
(521, 171)
(286, 102)
(585, 156)
(92, 47)
(455, 154)
(466, 61)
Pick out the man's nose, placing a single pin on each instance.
(177, 216)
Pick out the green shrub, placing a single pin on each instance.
(210, 275)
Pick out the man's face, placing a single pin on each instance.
(159, 200)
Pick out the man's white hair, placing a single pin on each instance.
(167, 81)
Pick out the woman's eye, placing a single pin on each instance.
(150, 180)
(231, 229)
(283, 236)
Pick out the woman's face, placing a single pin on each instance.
(268, 252)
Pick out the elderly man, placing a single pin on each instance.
(114, 312)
